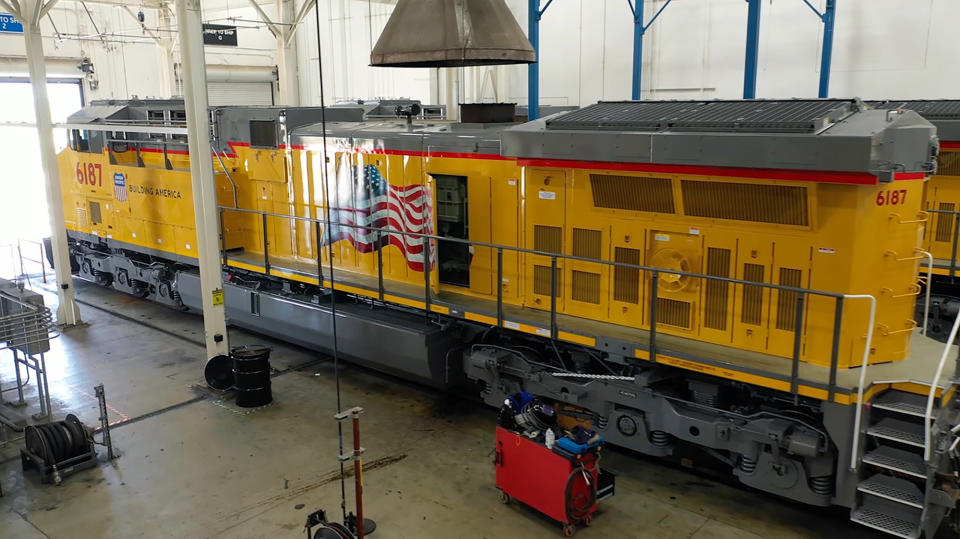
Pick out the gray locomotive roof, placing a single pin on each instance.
(429, 137)
(827, 135)
(943, 113)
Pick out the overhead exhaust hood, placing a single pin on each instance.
(451, 33)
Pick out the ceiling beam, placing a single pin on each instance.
(274, 29)
(10, 9)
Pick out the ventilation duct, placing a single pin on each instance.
(451, 33)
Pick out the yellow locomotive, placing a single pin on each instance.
(735, 276)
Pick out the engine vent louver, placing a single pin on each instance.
(672, 312)
(586, 287)
(548, 239)
(752, 295)
(587, 243)
(626, 281)
(632, 193)
(541, 280)
(948, 164)
(717, 292)
(776, 204)
(786, 300)
(945, 222)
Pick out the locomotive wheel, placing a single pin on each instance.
(80, 434)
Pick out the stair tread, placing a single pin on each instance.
(897, 430)
(898, 460)
(890, 517)
(901, 401)
(894, 489)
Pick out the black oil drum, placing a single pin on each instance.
(251, 370)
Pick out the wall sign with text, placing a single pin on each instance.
(218, 34)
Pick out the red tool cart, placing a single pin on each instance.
(560, 486)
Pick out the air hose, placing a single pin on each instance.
(578, 508)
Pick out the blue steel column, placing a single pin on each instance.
(827, 57)
(533, 69)
(753, 49)
(637, 48)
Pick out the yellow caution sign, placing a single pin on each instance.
(217, 297)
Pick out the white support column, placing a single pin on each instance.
(287, 55)
(68, 313)
(190, 29)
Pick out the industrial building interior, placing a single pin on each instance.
(479, 268)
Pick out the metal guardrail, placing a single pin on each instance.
(654, 273)
(26, 329)
(928, 413)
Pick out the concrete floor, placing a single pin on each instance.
(194, 466)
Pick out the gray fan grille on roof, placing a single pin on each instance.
(786, 116)
(934, 109)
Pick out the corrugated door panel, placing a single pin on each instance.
(751, 303)
(944, 229)
(716, 301)
(752, 312)
(544, 215)
(626, 281)
(627, 294)
(585, 287)
(791, 267)
(588, 280)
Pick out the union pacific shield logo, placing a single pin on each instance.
(120, 187)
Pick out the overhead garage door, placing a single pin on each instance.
(240, 93)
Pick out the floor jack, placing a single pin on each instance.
(354, 526)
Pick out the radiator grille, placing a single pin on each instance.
(586, 286)
(945, 222)
(672, 312)
(548, 239)
(632, 193)
(778, 204)
(752, 295)
(787, 301)
(541, 280)
(948, 164)
(587, 243)
(626, 281)
(717, 293)
(95, 216)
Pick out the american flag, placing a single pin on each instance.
(120, 187)
(373, 202)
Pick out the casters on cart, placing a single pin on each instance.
(587, 521)
(503, 497)
(568, 530)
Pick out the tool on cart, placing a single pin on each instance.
(553, 470)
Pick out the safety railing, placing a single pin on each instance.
(934, 384)
(26, 329)
(652, 273)
(19, 259)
